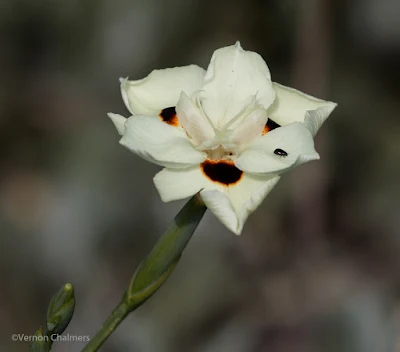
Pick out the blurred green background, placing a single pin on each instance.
(317, 266)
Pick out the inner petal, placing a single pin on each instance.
(269, 126)
(193, 120)
(233, 76)
(223, 172)
(168, 115)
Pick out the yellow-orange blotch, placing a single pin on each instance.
(266, 130)
(168, 115)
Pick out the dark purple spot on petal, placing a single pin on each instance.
(168, 115)
(269, 126)
(222, 171)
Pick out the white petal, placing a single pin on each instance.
(315, 118)
(174, 184)
(118, 121)
(218, 202)
(232, 207)
(234, 76)
(160, 143)
(291, 105)
(251, 126)
(160, 89)
(295, 139)
(193, 120)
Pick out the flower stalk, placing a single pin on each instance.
(154, 269)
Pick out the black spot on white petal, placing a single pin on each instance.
(168, 115)
(223, 172)
(280, 152)
(270, 125)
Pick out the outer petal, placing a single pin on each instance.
(160, 143)
(192, 119)
(175, 184)
(315, 118)
(234, 206)
(292, 105)
(160, 89)
(232, 78)
(118, 121)
(231, 205)
(295, 139)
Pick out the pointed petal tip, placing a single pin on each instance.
(183, 95)
(237, 232)
(238, 45)
(118, 121)
(314, 119)
(220, 205)
(329, 107)
(123, 141)
(309, 157)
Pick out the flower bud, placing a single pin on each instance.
(61, 309)
(40, 342)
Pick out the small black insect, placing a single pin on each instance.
(280, 152)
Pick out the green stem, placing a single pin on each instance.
(116, 317)
(154, 269)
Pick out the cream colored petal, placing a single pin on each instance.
(160, 89)
(175, 184)
(250, 127)
(234, 77)
(160, 143)
(315, 118)
(118, 121)
(261, 156)
(292, 105)
(192, 119)
(233, 205)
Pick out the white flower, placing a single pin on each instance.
(228, 132)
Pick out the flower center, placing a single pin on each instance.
(218, 154)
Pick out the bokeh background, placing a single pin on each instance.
(317, 266)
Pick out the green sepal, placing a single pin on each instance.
(42, 342)
(60, 310)
(161, 261)
(154, 269)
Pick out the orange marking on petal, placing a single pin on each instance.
(266, 130)
(269, 126)
(223, 172)
(168, 115)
